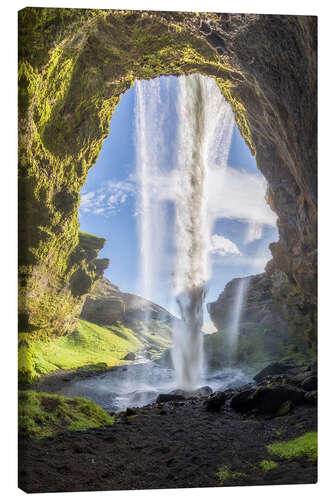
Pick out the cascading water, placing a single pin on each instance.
(150, 144)
(205, 124)
(235, 318)
(205, 128)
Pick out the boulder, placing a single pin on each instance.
(311, 398)
(273, 369)
(215, 401)
(299, 378)
(130, 412)
(268, 400)
(196, 393)
(284, 409)
(242, 401)
(310, 383)
(165, 398)
(130, 356)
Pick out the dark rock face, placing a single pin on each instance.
(215, 401)
(280, 388)
(272, 369)
(311, 398)
(310, 383)
(243, 401)
(268, 400)
(165, 398)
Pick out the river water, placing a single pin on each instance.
(140, 383)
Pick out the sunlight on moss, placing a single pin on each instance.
(225, 474)
(267, 465)
(91, 347)
(305, 445)
(42, 415)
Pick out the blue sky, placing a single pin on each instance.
(109, 208)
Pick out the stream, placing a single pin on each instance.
(139, 384)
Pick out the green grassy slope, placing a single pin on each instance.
(90, 345)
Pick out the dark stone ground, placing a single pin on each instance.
(171, 445)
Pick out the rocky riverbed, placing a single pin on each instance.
(220, 439)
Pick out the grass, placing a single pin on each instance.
(305, 445)
(42, 415)
(90, 347)
(267, 465)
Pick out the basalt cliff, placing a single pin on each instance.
(73, 66)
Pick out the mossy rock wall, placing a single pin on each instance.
(73, 66)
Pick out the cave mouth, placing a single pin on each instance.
(145, 127)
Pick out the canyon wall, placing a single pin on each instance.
(275, 324)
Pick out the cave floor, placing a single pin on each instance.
(170, 445)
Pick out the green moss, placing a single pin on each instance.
(224, 474)
(267, 465)
(305, 445)
(41, 415)
(26, 364)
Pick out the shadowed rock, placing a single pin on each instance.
(165, 398)
(272, 369)
(215, 401)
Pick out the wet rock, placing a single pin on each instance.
(215, 401)
(268, 400)
(242, 401)
(130, 356)
(299, 378)
(314, 367)
(310, 383)
(273, 369)
(284, 409)
(311, 398)
(165, 398)
(130, 412)
(139, 398)
(203, 391)
(197, 393)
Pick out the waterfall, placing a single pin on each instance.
(150, 143)
(235, 318)
(202, 142)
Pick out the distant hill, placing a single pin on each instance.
(149, 322)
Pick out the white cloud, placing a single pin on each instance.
(222, 246)
(108, 198)
(234, 194)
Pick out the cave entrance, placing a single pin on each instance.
(120, 192)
